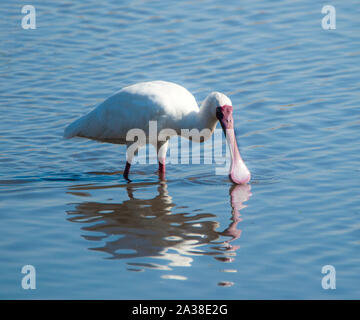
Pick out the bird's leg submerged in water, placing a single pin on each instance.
(131, 151)
(162, 169)
(126, 171)
(161, 152)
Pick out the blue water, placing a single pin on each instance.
(66, 210)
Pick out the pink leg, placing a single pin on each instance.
(161, 154)
(162, 168)
(126, 171)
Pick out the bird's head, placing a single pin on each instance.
(221, 108)
(215, 100)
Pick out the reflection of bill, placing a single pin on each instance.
(238, 194)
(147, 228)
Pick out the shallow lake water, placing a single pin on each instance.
(66, 209)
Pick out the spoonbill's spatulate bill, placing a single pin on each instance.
(172, 107)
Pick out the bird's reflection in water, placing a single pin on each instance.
(147, 228)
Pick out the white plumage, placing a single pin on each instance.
(133, 107)
(171, 105)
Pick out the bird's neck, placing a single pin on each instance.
(201, 121)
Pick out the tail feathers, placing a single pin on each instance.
(73, 129)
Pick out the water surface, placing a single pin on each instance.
(66, 210)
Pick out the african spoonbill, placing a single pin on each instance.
(173, 107)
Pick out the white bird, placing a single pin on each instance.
(174, 109)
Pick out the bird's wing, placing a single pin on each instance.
(132, 108)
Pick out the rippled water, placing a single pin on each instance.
(66, 210)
